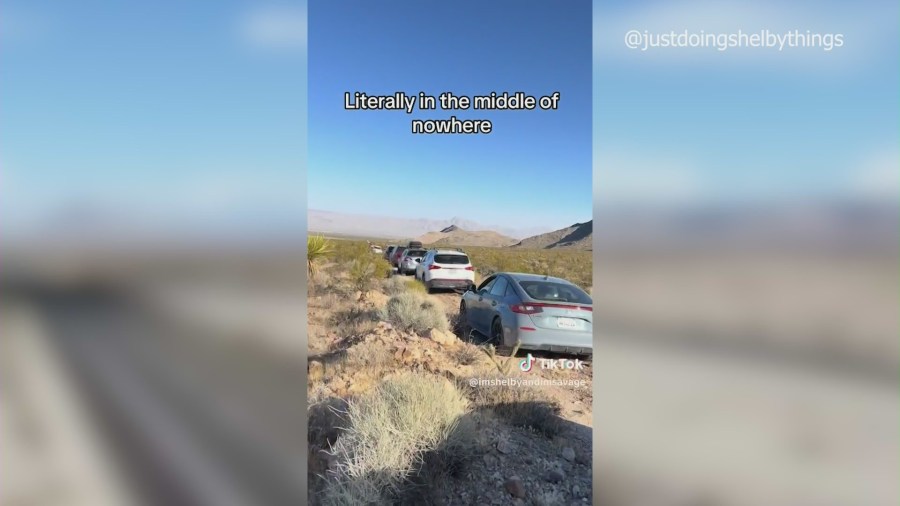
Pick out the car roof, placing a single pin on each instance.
(521, 276)
(448, 252)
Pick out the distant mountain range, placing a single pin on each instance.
(456, 236)
(578, 236)
(391, 227)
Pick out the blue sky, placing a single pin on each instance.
(193, 115)
(533, 169)
(684, 125)
(168, 113)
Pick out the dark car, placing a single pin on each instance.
(396, 255)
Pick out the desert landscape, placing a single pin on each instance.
(394, 417)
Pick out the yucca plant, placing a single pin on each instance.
(504, 364)
(317, 247)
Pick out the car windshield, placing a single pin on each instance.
(415, 253)
(451, 259)
(552, 291)
(399, 250)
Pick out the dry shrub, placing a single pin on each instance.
(389, 431)
(353, 322)
(394, 285)
(520, 406)
(414, 312)
(467, 354)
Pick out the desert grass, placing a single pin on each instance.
(519, 406)
(387, 434)
(412, 311)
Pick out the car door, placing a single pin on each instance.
(478, 306)
(423, 265)
(494, 300)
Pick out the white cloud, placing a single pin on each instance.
(274, 28)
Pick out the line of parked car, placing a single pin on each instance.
(537, 311)
(435, 268)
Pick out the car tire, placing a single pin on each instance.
(428, 287)
(497, 338)
(462, 323)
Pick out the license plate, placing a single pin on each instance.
(567, 323)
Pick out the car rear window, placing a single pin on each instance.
(416, 252)
(551, 291)
(451, 259)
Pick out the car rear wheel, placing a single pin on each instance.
(462, 322)
(428, 287)
(497, 338)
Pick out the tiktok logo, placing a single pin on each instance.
(527, 363)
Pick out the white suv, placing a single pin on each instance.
(446, 269)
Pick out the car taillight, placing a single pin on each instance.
(433, 267)
(535, 307)
(525, 308)
(470, 268)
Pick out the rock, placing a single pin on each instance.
(515, 487)
(555, 476)
(316, 370)
(358, 295)
(568, 453)
(441, 337)
(504, 446)
(490, 460)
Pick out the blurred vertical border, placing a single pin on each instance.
(152, 236)
(746, 257)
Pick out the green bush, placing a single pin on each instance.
(317, 248)
(366, 271)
